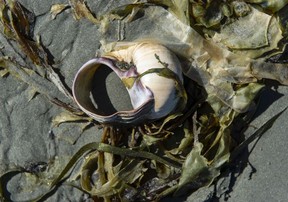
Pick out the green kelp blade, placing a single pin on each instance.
(127, 13)
(222, 155)
(110, 149)
(244, 96)
(73, 161)
(7, 29)
(19, 21)
(132, 170)
(179, 8)
(283, 20)
(37, 83)
(241, 35)
(81, 10)
(194, 166)
(270, 5)
(209, 14)
(169, 74)
(225, 121)
(129, 82)
(226, 98)
(57, 9)
(186, 141)
(197, 171)
(4, 72)
(269, 70)
(165, 121)
(24, 17)
(67, 116)
(30, 77)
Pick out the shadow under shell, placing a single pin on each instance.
(108, 93)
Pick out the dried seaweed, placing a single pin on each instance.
(82, 11)
(66, 116)
(18, 24)
(270, 6)
(178, 8)
(127, 12)
(144, 161)
(57, 9)
(256, 43)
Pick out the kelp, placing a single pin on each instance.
(178, 8)
(4, 72)
(242, 39)
(17, 23)
(209, 14)
(57, 9)
(79, 8)
(214, 14)
(271, 6)
(197, 171)
(127, 13)
(82, 11)
(67, 116)
(37, 83)
(28, 76)
(282, 16)
(181, 152)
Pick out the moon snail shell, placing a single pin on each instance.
(152, 76)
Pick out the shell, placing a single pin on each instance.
(153, 79)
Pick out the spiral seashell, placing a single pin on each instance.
(152, 76)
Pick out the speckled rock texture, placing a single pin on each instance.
(27, 135)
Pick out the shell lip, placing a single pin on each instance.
(139, 94)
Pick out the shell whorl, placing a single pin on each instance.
(152, 81)
(147, 56)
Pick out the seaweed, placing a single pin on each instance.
(177, 154)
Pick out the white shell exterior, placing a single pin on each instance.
(152, 96)
(164, 91)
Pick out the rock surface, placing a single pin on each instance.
(27, 135)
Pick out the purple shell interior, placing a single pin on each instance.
(141, 97)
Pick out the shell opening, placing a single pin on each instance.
(102, 95)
